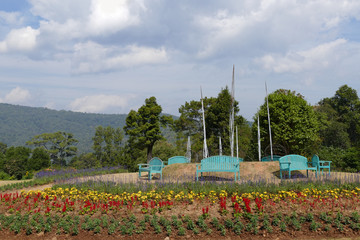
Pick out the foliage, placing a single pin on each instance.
(39, 159)
(85, 160)
(294, 124)
(164, 150)
(340, 117)
(19, 124)
(16, 161)
(143, 126)
(107, 145)
(59, 145)
(217, 115)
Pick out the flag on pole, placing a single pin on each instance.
(267, 105)
(205, 150)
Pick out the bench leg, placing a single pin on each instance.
(289, 174)
(139, 173)
(280, 174)
(197, 176)
(149, 175)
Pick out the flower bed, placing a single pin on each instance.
(212, 214)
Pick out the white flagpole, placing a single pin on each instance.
(267, 104)
(188, 150)
(232, 113)
(220, 147)
(205, 150)
(259, 141)
(237, 144)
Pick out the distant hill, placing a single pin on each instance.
(19, 124)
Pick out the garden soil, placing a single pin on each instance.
(249, 171)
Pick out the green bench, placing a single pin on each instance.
(294, 162)
(155, 165)
(320, 164)
(177, 159)
(268, 158)
(219, 164)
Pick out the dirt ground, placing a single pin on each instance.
(249, 171)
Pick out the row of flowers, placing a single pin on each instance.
(89, 202)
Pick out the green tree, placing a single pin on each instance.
(3, 148)
(343, 115)
(164, 150)
(39, 159)
(294, 124)
(59, 145)
(217, 116)
(143, 126)
(16, 161)
(332, 132)
(107, 145)
(85, 160)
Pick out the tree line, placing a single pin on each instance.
(330, 129)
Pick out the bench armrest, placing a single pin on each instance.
(322, 161)
(143, 164)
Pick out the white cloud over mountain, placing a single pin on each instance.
(148, 47)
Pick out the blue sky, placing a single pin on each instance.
(108, 56)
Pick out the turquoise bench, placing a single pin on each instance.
(219, 164)
(294, 162)
(177, 159)
(155, 165)
(268, 158)
(320, 164)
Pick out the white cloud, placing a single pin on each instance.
(270, 25)
(108, 16)
(60, 10)
(320, 56)
(99, 103)
(17, 96)
(23, 39)
(11, 18)
(93, 57)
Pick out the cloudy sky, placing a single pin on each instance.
(108, 56)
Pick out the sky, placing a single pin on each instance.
(108, 56)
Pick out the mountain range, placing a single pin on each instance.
(19, 124)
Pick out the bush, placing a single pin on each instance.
(40, 159)
(4, 176)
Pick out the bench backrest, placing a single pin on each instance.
(178, 159)
(315, 161)
(220, 162)
(156, 164)
(268, 158)
(297, 161)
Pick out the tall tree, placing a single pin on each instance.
(16, 159)
(217, 113)
(294, 123)
(143, 126)
(39, 159)
(343, 109)
(107, 145)
(59, 145)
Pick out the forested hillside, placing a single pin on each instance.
(19, 124)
